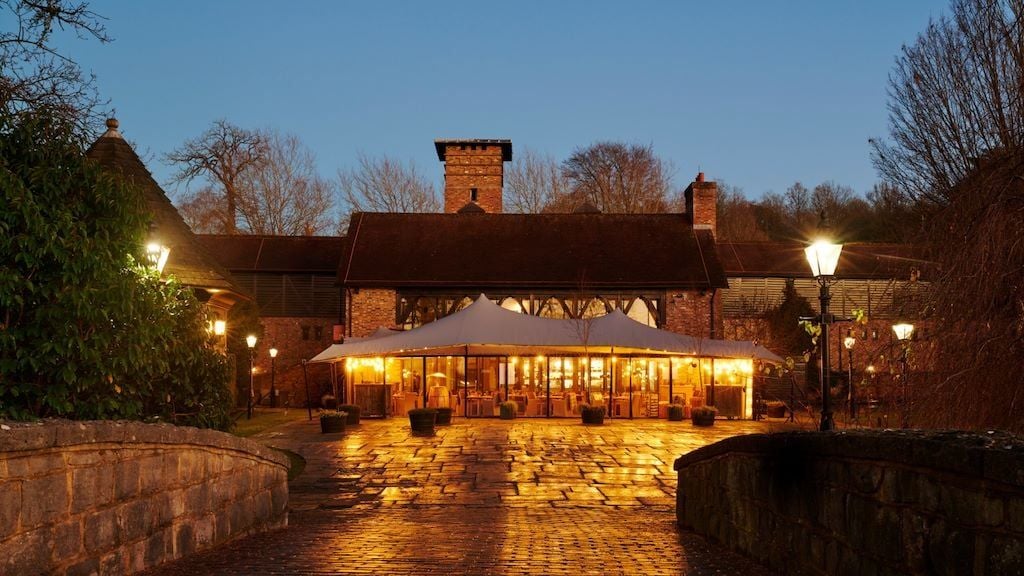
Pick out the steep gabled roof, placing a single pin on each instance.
(259, 253)
(568, 251)
(189, 262)
(863, 261)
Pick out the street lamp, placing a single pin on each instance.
(250, 340)
(273, 388)
(849, 342)
(903, 332)
(823, 256)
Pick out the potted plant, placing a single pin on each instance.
(592, 414)
(508, 410)
(703, 415)
(676, 412)
(332, 421)
(444, 416)
(422, 420)
(353, 413)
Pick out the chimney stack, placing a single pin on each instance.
(702, 203)
(474, 172)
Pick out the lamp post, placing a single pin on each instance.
(849, 342)
(273, 369)
(823, 256)
(903, 332)
(250, 340)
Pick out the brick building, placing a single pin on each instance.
(402, 270)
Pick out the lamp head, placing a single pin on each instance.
(823, 256)
(220, 327)
(903, 331)
(849, 342)
(273, 352)
(250, 340)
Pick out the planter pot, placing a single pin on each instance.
(333, 424)
(508, 411)
(676, 413)
(422, 421)
(593, 416)
(353, 413)
(444, 416)
(703, 419)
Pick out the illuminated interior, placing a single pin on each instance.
(555, 386)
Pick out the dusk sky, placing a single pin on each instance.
(756, 94)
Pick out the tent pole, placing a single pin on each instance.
(547, 380)
(305, 382)
(423, 383)
(631, 387)
(465, 383)
(506, 378)
(670, 398)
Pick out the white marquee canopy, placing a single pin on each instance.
(486, 329)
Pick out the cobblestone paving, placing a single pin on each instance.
(483, 497)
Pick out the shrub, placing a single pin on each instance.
(508, 410)
(87, 331)
(353, 412)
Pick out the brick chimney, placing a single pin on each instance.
(702, 203)
(474, 171)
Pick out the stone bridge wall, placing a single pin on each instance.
(861, 502)
(118, 497)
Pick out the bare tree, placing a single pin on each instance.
(533, 182)
(386, 185)
(220, 156)
(35, 75)
(203, 210)
(955, 95)
(617, 177)
(283, 194)
(737, 216)
(957, 145)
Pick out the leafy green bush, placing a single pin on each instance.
(86, 330)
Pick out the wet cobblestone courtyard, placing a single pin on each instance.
(483, 497)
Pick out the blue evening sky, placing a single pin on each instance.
(758, 94)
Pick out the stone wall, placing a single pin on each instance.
(861, 502)
(118, 497)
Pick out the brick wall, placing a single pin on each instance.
(861, 502)
(701, 200)
(117, 498)
(476, 166)
(295, 339)
(371, 308)
(689, 312)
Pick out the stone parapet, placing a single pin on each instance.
(119, 497)
(861, 502)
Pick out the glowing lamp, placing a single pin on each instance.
(273, 352)
(250, 341)
(157, 255)
(220, 327)
(849, 342)
(823, 256)
(903, 331)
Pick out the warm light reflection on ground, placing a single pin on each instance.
(483, 497)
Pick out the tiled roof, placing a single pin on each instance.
(573, 251)
(275, 253)
(189, 261)
(787, 260)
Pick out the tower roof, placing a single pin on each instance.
(189, 261)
